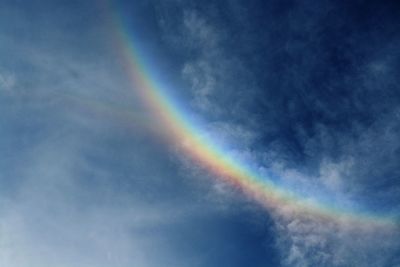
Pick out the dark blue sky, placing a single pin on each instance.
(306, 91)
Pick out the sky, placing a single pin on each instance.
(117, 119)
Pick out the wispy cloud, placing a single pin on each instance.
(318, 139)
(7, 82)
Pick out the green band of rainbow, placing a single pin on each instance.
(180, 130)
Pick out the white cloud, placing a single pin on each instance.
(200, 74)
(55, 219)
(308, 240)
(200, 33)
(333, 174)
(7, 81)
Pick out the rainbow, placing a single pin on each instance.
(180, 130)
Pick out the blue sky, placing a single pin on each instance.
(304, 90)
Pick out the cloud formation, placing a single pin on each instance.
(322, 117)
